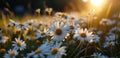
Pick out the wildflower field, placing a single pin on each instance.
(60, 34)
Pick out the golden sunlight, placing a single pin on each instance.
(84, 0)
(96, 2)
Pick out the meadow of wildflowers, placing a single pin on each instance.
(63, 36)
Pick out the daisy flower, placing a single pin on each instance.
(22, 27)
(59, 14)
(73, 16)
(111, 37)
(57, 51)
(93, 29)
(49, 10)
(13, 26)
(108, 44)
(82, 22)
(4, 39)
(58, 31)
(70, 27)
(13, 23)
(110, 40)
(38, 11)
(19, 44)
(11, 54)
(94, 38)
(65, 16)
(99, 32)
(115, 29)
(82, 34)
(107, 22)
(40, 52)
(30, 23)
(41, 34)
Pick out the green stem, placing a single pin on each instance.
(76, 48)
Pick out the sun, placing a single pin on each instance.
(96, 2)
(84, 0)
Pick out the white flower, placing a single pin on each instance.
(115, 29)
(11, 54)
(82, 22)
(41, 34)
(58, 31)
(111, 37)
(13, 23)
(92, 29)
(17, 26)
(59, 14)
(71, 27)
(99, 32)
(95, 31)
(40, 52)
(12, 27)
(94, 38)
(99, 55)
(108, 44)
(56, 50)
(55, 44)
(110, 40)
(83, 35)
(22, 27)
(19, 44)
(4, 39)
(38, 11)
(73, 16)
(48, 9)
(30, 23)
(106, 22)
(51, 49)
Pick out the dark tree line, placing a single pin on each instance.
(29, 6)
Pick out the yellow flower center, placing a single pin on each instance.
(12, 54)
(83, 35)
(8, 25)
(93, 32)
(2, 50)
(19, 44)
(72, 18)
(38, 51)
(71, 27)
(43, 33)
(30, 24)
(109, 44)
(54, 51)
(21, 25)
(104, 22)
(58, 31)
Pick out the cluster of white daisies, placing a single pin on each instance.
(53, 36)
